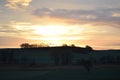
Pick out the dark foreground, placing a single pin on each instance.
(98, 73)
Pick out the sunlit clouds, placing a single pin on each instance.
(116, 14)
(94, 15)
(58, 34)
(16, 4)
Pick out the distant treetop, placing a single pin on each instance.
(27, 45)
(89, 48)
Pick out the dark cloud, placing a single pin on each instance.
(62, 13)
(95, 16)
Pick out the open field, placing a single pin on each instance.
(98, 73)
(44, 68)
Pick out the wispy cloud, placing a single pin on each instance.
(15, 28)
(16, 4)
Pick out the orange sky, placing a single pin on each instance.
(78, 22)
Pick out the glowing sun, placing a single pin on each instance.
(50, 30)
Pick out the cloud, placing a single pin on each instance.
(16, 4)
(21, 29)
(15, 28)
(95, 16)
(63, 13)
(7, 29)
(116, 14)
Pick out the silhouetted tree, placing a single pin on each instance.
(33, 46)
(72, 45)
(64, 45)
(89, 48)
(42, 45)
(25, 45)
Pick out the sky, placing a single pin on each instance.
(55, 22)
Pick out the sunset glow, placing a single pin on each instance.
(80, 22)
(50, 30)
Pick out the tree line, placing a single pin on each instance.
(27, 45)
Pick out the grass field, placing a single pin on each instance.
(77, 74)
